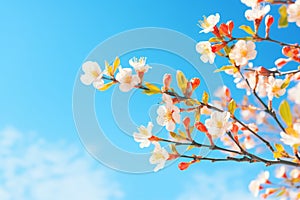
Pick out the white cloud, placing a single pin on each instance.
(223, 185)
(34, 169)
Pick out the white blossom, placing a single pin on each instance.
(250, 3)
(92, 74)
(274, 87)
(294, 94)
(159, 157)
(293, 11)
(293, 138)
(139, 65)
(218, 123)
(257, 12)
(204, 48)
(143, 135)
(168, 115)
(126, 79)
(242, 52)
(209, 23)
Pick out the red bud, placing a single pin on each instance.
(269, 20)
(263, 71)
(186, 122)
(286, 50)
(183, 165)
(280, 62)
(224, 30)
(195, 83)
(230, 25)
(227, 93)
(217, 47)
(216, 32)
(154, 138)
(235, 128)
(201, 127)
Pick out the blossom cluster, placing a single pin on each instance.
(269, 105)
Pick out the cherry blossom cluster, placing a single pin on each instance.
(264, 83)
(262, 125)
(285, 184)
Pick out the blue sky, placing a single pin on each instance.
(43, 45)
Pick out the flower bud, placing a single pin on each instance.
(167, 81)
(280, 62)
(263, 71)
(269, 20)
(201, 127)
(186, 122)
(195, 83)
(183, 165)
(286, 50)
(230, 25)
(154, 138)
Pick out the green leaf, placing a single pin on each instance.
(247, 29)
(282, 192)
(152, 89)
(205, 97)
(173, 148)
(190, 147)
(232, 106)
(283, 21)
(285, 113)
(197, 114)
(116, 64)
(177, 137)
(226, 67)
(285, 83)
(227, 49)
(106, 86)
(181, 81)
(214, 39)
(182, 133)
(279, 148)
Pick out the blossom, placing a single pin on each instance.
(293, 11)
(204, 48)
(257, 12)
(143, 135)
(168, 114)
(92, 74)
(280, 172)
(218, 123)
(139, 65)
(126, 79)
(295, 173)
(209, 23)
(274, 87)
(250, 3)
(294, 94)
(159, 157)
(255, 185)
(249, 143)
(292, 139)
(242, 52)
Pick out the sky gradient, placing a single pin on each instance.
(43, 45)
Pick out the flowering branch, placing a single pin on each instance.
(237, 134)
